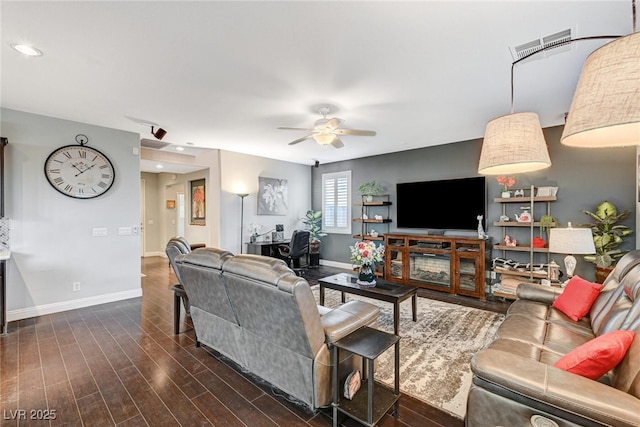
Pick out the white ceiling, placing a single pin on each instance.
(226, 74)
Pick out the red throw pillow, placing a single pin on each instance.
(598, 356)
(577, 297)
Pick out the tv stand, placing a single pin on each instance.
(453, 264)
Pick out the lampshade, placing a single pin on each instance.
(605, 111)
(577, 241)
(513, 144)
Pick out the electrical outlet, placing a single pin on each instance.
(76, 286)
(125, 231)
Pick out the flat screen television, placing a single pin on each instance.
(452, 204)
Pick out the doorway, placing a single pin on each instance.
(181, 214)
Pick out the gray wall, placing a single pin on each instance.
(51, 234)
(584, 177)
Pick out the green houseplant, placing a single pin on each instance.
(313, 221)
(608, 235)
(370, 189)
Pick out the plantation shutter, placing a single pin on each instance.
(336, 205)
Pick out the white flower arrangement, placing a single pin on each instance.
(366, 252)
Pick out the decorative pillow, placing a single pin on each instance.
(577, 297)
(598, 356)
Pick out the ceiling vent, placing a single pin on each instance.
(152, 143)
(552, 44)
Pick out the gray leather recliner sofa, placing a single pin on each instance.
(515, 382)
(257, 312)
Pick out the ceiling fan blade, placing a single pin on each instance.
(355, 132)
(304, 138)
(287, 128)
(337, 143)
(334, 123)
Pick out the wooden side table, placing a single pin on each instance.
(368, 343)
(179, 294)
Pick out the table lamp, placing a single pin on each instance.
(571, 241)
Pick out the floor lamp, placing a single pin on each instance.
(242, 196)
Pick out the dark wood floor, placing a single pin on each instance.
(121, 364)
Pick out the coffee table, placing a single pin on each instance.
(384, 290)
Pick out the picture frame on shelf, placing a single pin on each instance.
(547, 191)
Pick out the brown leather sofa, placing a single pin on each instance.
(254, 310)
(515, 382)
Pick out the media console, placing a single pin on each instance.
(444, 263)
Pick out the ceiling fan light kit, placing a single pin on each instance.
(325, 131)
(605, 111)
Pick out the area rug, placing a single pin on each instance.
(435, 351)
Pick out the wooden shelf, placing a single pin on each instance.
(380, 203)
(537, 275)
(367, 237)
(520, 248)
(506, 295)
(372, 221)
(518, 224)
(525, 199)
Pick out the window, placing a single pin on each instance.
(336, 202)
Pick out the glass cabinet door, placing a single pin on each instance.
(395, 264)
(467, 281)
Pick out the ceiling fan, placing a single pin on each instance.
(325, 131)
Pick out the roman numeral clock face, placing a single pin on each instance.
(79, 171)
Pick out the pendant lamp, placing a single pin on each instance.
(513, 144)
(605, 111)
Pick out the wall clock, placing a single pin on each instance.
(79, 171)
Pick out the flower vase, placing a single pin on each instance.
(366, 277)
(506, 194)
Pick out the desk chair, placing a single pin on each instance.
(175, 247)
(297, 248)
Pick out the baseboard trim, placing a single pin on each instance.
(40, 310)
(336, 264)
(150, 254)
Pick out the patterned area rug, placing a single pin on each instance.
(435, 351)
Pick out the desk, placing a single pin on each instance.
(266, 248)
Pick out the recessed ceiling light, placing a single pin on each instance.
(190, 143)
(179, 148)
(26, 49)
(159, 166)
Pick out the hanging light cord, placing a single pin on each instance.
(551, 47)
(634, 29)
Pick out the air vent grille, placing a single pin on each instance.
(152, 143)
(552, 44)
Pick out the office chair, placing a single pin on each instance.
(297, 248)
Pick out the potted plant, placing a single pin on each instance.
(608, 235)
(370, 189)
(313, 221)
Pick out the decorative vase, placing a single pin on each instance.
(506, 194)
(366, 277)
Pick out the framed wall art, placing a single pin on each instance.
(273, 196)
(198, 214)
